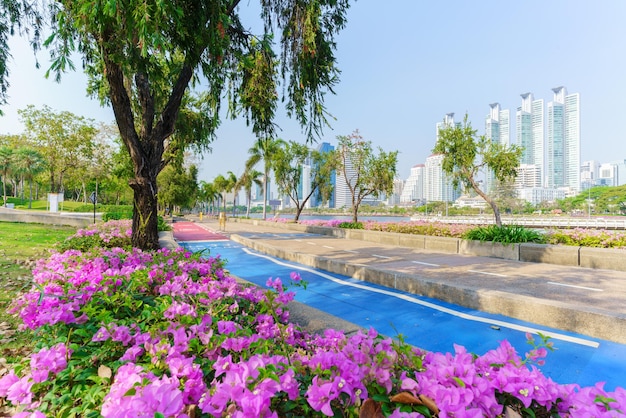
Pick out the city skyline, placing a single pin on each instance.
(401, 72)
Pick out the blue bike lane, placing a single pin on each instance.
(428, 323)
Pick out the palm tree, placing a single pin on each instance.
(264, 149)
(249, 178)
(221, 185)
(232, 186)
(30, 163)
(208, 194)
(6, 166)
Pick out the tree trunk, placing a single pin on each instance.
(30, 198)
(145, 217)
(265, 197)
(496, 212)
(298, 212)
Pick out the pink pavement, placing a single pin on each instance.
(190, 231)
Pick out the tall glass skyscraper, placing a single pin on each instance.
(497, 130)
(530, 131)
(563, 140)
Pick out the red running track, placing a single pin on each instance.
(189, 231)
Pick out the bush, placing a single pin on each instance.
(587, 238)
(110, 234)
(117, 212)
(506, 234)
(351, 225)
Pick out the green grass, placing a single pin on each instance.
(21, 245)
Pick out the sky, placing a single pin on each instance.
(406, 63)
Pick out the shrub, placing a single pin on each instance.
(110, 234)
(167, 333)
(506, 234)
(351, 225)
(587, 238)
(117, 212)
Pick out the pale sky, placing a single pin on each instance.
(407, 63)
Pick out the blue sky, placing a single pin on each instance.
(407, 63)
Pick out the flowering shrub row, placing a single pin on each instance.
(126, 333)
(439, 229)
(579, 237)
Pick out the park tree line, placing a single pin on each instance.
(60, 152)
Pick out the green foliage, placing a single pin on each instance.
(288, 162)
(465, 155)
(587, 238)
(366, 173)
(111, 213)
(351, 225)
(506, 234)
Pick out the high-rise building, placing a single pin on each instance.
(496, 130)
(563, 140)
(572, 141)
(530, 132)
(437, 185)
(343, 196)
(316, 199)
(448, 121)
(413, 190)
(497, 124)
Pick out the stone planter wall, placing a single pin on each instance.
(612, 259)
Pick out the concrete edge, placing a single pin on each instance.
(593, 323)
(598, 258)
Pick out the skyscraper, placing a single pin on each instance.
(497, 124)
(530, 132)
(497, 130)
(316, 199)
(413, 190)
(563, 140)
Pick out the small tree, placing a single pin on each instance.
(465, 155)
(288, 165)
(365, 173)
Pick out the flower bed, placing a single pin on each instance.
(126, 333)
(579, 237)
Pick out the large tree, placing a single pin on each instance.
(364, 172)
(465, 155)
(289, 163)
(143, 56)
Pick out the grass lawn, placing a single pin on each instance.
(21, 245)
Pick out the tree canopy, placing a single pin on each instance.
(465, 156)
(289, 162)
(144, 56)
(365, 172)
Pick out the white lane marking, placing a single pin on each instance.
(350, 251)
(577, 287)
(380, 256)
(425, 264)
(311, 243)
(328, 246)
(486, 272)
(463, 315)
(299, 240)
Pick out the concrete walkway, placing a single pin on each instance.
(585, 301)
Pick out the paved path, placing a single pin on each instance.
(579, 358)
